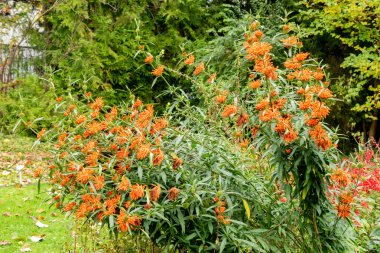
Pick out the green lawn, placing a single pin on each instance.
(17, 207)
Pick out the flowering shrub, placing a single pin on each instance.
(355, 193)
(188, 179)
(129, 170)
(274, 109)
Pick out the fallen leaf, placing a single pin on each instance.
(25, 248)
(37, 238)
(54, 214)
(3, 243)
(7, 214)
(41, 225)
(40, 210)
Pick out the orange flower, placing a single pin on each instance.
(98, 182)
(325, 93)
(229, 110)
(341, 177)
(243, 119)
(134, 221)
(137, 103)
(255, 84)
(144, 117)
(158, 157)
(291, 64)
(88, 94)
(112, 204)
(158, 125)
(258, 49)
(158, 71)
(177, 162)
(220, 99)
(190, 60)
(211, 78)
(69, 206)
(97, 104)
(124, 184)
(290, 42)
(136, 192)
(262, 104)
(343, 211)
(41, 133)
(84, 175)
(121, 221)
(154, 194)
(173, 193)
(59, 99)
(92, 159)
(286, 28)
(143, 151)
(149, 59)
(199, 69)
(121, 154)
(266, 67)
(258, 34)
(301, 56)
(346, 198)
(95, 114)
(38, 172)
(80, 119)
(290, 136)
(244, 143)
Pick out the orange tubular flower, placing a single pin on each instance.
(255, 84)
(220, 99)
(341, 177)
(149, 59)
(211, 78)
(143, 151)
(98, 182)
(243, 119)
(137, 103)
(262, 104)
(124, 184)
(291, 42)
(199, 69)
(173, 193)
(158, 71)
(229, 111)
(41, 133)
(144, 118)
(97, 104)
(158, 157)
(92, 159)
(121, 222)
(158, 125)
(301, 57)
(80, 119)
(290, 136)
(343, 211)
(154, 194)
(177, 162)
(137, 192)
(190, 60)
(84, 176)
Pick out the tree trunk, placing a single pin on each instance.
(372, 129)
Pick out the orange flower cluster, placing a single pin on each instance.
(98, 159)
(220, 210)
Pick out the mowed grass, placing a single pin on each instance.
(17, 207)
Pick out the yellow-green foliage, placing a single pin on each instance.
(356, 24)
